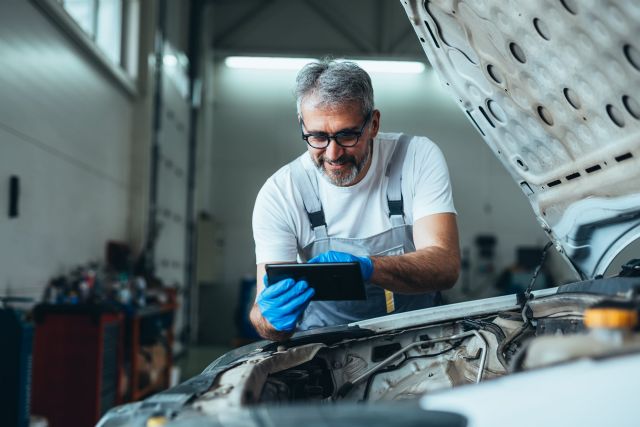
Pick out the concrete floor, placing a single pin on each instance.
(196, 358)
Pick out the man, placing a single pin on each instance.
(383, 200)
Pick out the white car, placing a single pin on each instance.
(554, 88)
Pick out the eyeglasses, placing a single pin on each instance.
(344, 138)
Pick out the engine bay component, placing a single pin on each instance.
(346, 387)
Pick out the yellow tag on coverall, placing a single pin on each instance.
(388, 296)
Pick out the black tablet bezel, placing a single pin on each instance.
(336, 281)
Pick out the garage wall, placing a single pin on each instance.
(65, 131)
(256, 133)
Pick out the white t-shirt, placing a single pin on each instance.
(281, 225)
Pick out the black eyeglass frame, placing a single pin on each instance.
(336, 137)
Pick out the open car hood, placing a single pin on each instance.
(555, 93)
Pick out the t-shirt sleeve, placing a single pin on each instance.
(432, 186)
(273, 231)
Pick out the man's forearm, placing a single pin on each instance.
(426, 270)
(264, 328)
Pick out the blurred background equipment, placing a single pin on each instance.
(77, 359)
(517, 277)
(103, 336)
(16, 335)
(246, 332)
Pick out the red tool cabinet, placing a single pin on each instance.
(77, 362)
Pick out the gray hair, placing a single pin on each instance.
(335, 83)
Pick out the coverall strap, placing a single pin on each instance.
(307, 184)
(394, 186)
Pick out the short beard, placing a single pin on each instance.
(344, 179)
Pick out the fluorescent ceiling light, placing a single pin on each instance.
(266, 63)
(275, 63)
(399, 67)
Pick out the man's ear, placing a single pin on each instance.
(375, 123)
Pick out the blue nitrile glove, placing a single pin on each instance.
(366, 265)
(283, 303)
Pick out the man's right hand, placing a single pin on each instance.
(283, 303)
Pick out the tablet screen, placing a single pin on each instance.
(340, 281)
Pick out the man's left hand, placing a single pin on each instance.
(366, 265)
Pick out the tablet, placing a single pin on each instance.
(336, 281)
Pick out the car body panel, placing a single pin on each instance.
(553, 87)
(446, 312)
(588, 392)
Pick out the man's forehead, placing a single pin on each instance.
(330, 121)
(316, 105)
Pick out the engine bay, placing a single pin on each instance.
(408, 363)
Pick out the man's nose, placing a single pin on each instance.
(333, 151)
